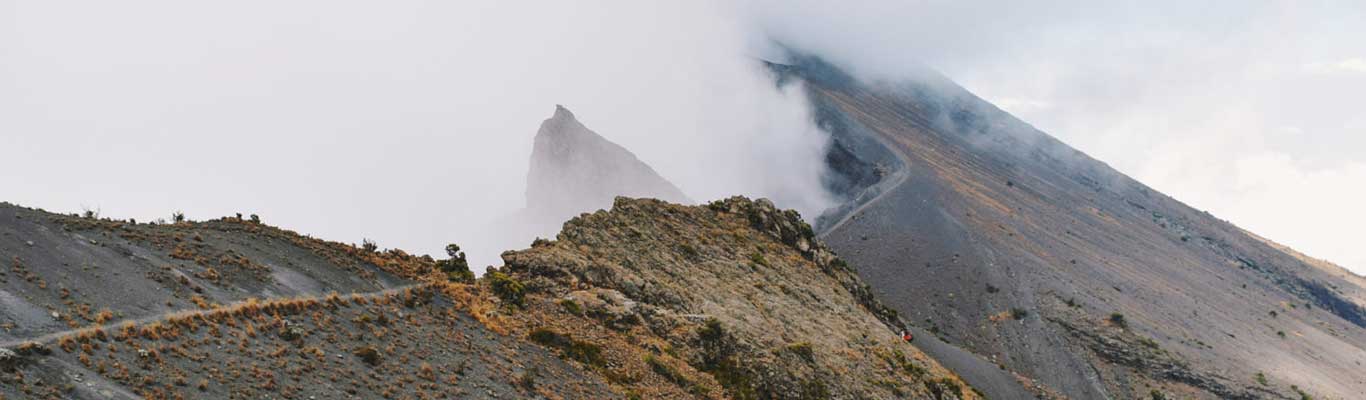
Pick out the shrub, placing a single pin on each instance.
(255, 219)
(178, 216)
(368, 354)
(528, 378)
(758, 258)
(457, 269)
(992, 289)
(719, 360)
(577, 350)
(1303, 395)
(802, 350)
(1260, 378)
(1018, 313)
(369, 245)
(507, 288)
(1157, 395)
(572, 307)
(1118, 320)
(668, 372)
(944, 388)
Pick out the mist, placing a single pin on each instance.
(409, 124)
(1248, 110)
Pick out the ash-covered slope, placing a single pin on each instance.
(574, 170)
(735, 299)
(1009, 243)
(232, 308)
(64, 271)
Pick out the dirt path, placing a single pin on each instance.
(54, 336)
(895, 180)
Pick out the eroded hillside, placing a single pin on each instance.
(648, 300)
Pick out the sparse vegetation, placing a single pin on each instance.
(1260, 378)
(1018, 313)
(457, 269)
(1118, 320)
(1157, 395)
(572, 307)
(671, 374)
(177, 217)
(368, 354)
(802, 350)
(507, 288)
(581, 351)
(527, 380)
(1303, 395)
(758, 259)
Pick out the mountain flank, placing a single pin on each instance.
(735, 299)
(984, 225)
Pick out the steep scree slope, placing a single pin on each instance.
(988, 225)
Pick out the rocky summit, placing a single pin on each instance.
(574, 170)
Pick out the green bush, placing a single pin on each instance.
(1118, 320)
(572, 307)
(457, 269)
(507, 288)
(578, 350)
(802, 350)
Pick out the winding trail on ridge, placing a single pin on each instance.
(54, 336)
(979, 372)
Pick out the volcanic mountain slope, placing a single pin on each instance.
(232, 308)
(649, 300)
(1004, 241)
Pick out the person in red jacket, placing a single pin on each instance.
(906, 335)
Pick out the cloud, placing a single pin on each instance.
(1355, 65)
(1159, 90)
(408, 123)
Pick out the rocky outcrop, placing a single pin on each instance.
(574, 170)
(734, 299)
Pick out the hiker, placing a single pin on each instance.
(906, 335)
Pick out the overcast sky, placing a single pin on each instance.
(410, 122)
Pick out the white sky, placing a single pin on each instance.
(410, 121)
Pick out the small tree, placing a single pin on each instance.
(369, 245)
(457, 269)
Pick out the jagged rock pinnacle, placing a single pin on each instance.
(574, 170)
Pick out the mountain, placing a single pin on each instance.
(574, 170)
(1003, 241)
(734, 299)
